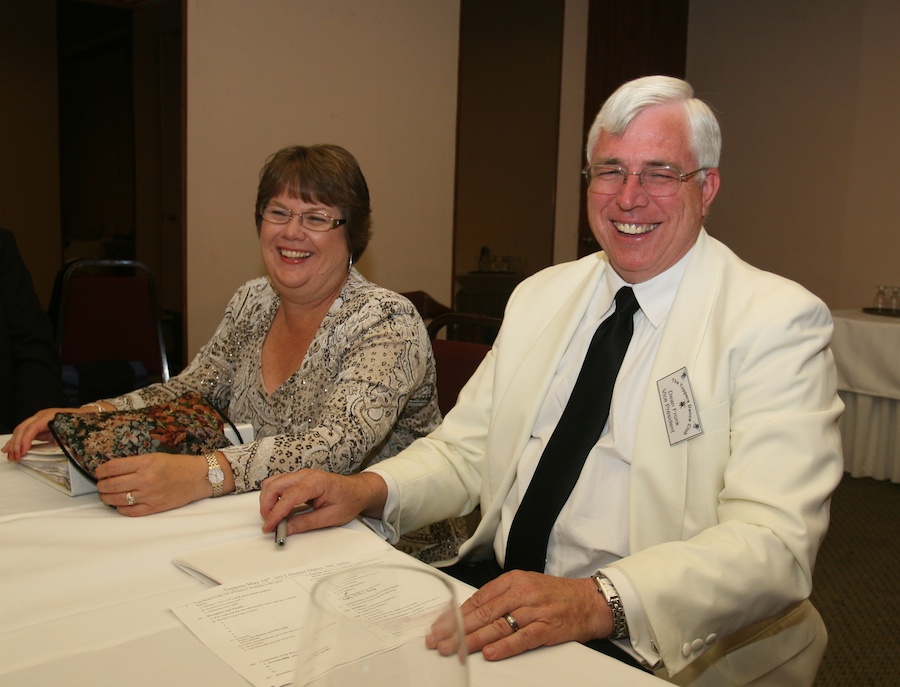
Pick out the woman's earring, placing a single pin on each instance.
(350, 267)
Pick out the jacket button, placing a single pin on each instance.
(686, 650)
(697, 644)
(712, 639)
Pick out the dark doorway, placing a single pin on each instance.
(628, 39)
(121, 142)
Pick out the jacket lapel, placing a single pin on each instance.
(522, 381)
(659, 472)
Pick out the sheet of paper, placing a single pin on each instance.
(260, 556)
(255, 625)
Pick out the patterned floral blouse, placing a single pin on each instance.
(364, 391)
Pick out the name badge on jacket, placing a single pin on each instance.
(678, 407)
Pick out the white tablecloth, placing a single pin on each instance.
(86, 593)
(867, 354)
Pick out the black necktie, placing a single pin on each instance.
(575, 435)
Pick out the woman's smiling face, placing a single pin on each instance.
(306, 267)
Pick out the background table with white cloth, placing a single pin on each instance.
(867, 354)
(86, 596)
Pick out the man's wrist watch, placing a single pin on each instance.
(620, 625)
(215, 475)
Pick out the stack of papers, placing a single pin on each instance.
(46, 461)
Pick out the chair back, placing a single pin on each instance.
(455, 360)
(464, 326)
(425, 304)
(107, 318)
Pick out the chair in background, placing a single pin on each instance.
(464, 326)
(428, 307)
(456, 360)
(108, 329)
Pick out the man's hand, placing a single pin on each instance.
(547, 610)
(334, 499)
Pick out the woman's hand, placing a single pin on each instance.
(547, 610)
(35, 427)
(334, 499)
(157, 482)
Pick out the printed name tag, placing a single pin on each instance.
(678, 407)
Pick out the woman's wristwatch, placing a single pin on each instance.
(620, 625)
(215, 474)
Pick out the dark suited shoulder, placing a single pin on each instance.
(30, 373)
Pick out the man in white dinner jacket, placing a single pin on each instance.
(700, 510)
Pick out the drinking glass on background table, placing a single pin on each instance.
(882, 299)
(367, 626)
(895, 298)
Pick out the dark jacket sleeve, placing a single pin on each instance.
(30, 375)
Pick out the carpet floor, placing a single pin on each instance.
(856, 586)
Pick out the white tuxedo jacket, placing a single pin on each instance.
(723, 528)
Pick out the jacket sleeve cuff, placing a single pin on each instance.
(639, 643)
(386, 527)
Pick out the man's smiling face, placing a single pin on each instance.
(642, 235)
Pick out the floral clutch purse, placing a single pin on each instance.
(187, 425)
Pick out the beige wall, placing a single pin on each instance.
(808, 94)
(378, 78)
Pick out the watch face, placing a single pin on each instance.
(216, 476)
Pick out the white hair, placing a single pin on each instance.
(631, 98)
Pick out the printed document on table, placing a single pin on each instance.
(254, 625)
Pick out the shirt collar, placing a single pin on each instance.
(656, 295)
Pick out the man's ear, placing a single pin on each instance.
(710, 188)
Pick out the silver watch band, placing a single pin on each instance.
(620, 624)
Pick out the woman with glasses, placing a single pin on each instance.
(332, 371)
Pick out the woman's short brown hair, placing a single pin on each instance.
(325, 174)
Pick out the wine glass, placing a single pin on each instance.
(881, 298)
(367, 626)
(895, 299)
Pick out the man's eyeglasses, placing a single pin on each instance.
(656, 181)
(311, 221)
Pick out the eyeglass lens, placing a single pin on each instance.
(313, 221)
(657, 182)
